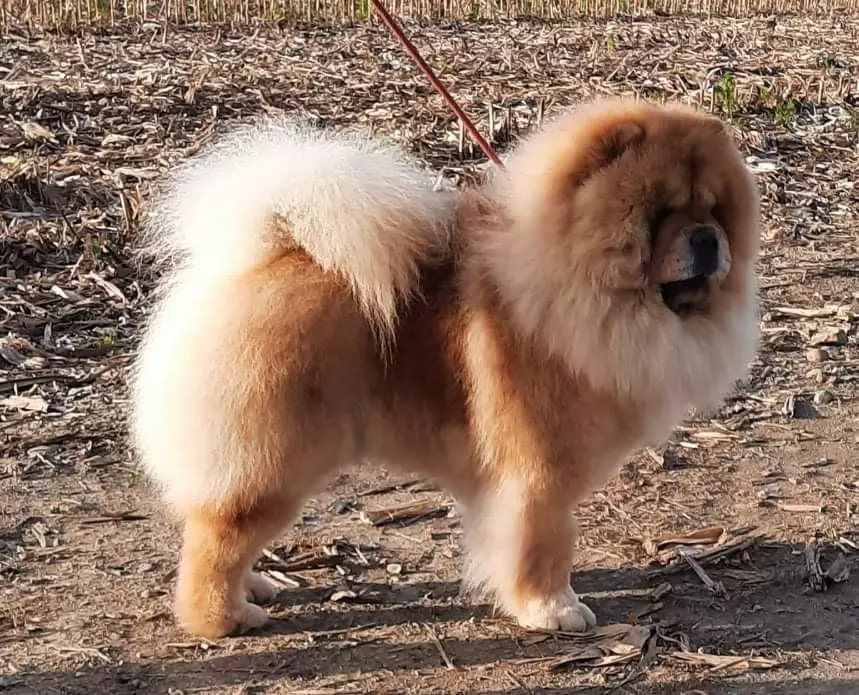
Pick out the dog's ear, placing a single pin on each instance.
(714, 125)
(589, 150)
(609, 145)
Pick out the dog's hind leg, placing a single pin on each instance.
(246, 401)
(218, 550)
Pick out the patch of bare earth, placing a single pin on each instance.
(719, 564)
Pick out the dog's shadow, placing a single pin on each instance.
(407, 628)
(370, 604)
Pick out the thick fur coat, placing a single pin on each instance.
(518, 341)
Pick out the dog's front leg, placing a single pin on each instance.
(521, 536)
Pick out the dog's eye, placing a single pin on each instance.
(719, 213)
(655, 221)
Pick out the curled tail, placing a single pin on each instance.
(357, 207)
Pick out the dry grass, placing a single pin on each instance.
(68, 14)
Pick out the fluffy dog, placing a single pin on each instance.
(516, 341)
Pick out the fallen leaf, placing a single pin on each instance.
(34, 131)
(601, 646)
(718, 662)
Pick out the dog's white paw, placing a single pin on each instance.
(258, 589)
(560, 612)
(249, 617)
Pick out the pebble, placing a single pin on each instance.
(817, 355)
(823, 397)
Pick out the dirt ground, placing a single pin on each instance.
(752, 497)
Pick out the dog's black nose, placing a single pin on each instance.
(704, 245)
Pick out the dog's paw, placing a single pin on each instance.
(249, 617)
(560, 612)
(258, 589)
(212, 623)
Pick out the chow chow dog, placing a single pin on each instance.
(517, 341)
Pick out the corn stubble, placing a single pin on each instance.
(69, 14)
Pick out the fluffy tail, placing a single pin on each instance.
(357, 207)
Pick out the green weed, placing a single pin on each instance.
(785, 114)
(726, 94)
(610, 43)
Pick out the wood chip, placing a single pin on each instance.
(709, 557)
(820, 463)
(304, 561)
(812, 565)
(830, 336)
(725, 663)
(805, 313)
(702, 536)
(661, 591)
(282, 579)
(801, 508)
(715, 587)
(406, 514)
(33, 404)
(648, 610)
(846, 545)
(440, 647)
(417, 485)
(343, 595)
(110, 518)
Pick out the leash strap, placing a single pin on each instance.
(413, 53)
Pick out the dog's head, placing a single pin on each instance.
(631, 236)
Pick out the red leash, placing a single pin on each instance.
(412, 52)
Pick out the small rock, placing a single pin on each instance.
(394, 568)
(822, 397)
(817, 355)
(829, 336)
(838, 571)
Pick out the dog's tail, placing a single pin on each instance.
(359, 208)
